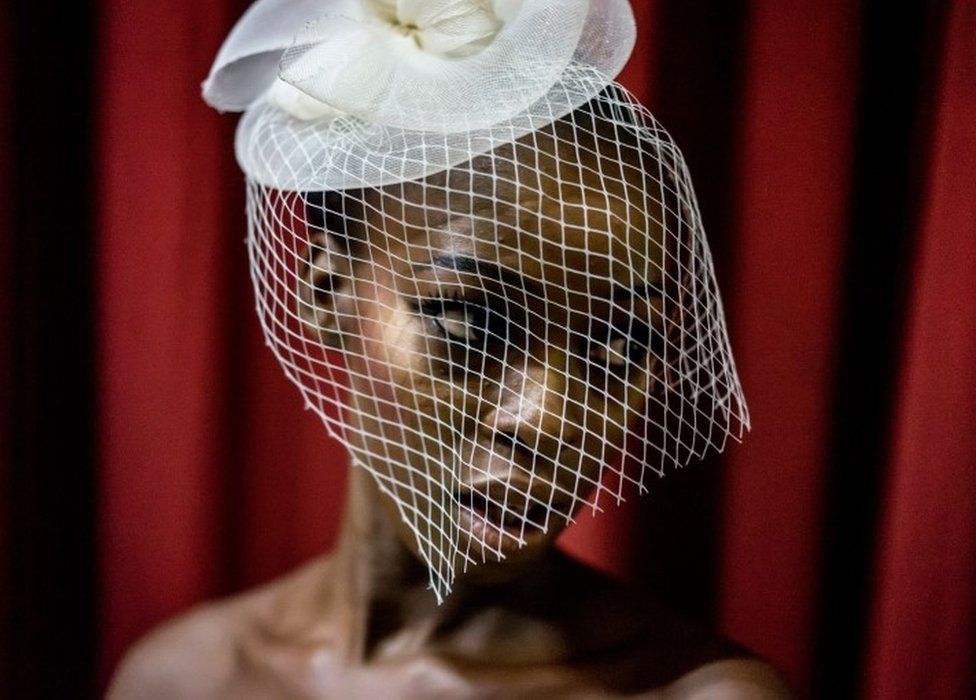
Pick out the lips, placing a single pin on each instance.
(507, 498)
(507, 519)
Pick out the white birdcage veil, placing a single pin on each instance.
(445, 200)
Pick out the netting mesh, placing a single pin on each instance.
(501, 323)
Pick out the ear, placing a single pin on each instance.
(325, 273)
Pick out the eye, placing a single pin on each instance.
(621, 351)
(613, 354)
(457, 319)
(460, 324)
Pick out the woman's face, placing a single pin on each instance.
(500, 329)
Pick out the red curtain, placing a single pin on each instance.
(923, 625)
(211, 477)
(792, 184)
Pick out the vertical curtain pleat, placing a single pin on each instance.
(46, 391)
(213, 477)
(923, 632)
(6, 348)
(165, 241)
(792, 186)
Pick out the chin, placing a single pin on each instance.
(489, 554)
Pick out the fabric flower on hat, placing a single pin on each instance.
(426, 65)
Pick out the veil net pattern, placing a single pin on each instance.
(504, 321)
(421, 451)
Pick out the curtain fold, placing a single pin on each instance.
(6, 345)
(46, 353)
(167, 239)
(792, 188)
(923, 628)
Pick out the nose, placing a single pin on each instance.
(536, 405)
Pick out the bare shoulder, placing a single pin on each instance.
(730, 679)
(190, 656)
(642, 648)
(196, 654)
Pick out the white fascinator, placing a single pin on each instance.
(386, 141)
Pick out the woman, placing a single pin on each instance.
(481, 263)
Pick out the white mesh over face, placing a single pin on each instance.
(501, 324)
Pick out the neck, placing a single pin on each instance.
(369, 548)
(382, 587)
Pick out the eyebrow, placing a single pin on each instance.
(482, 268)
(508, 276)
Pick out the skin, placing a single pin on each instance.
(528, 421)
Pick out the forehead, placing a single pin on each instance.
(564, 210)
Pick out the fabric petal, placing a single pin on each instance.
(297, 103)
(459, 31)
(351, 66)
(429, 91)
(247, 64)
(424, 13)
(385, 10)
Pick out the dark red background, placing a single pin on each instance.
(154, 456)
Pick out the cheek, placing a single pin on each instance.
(410, 415)
(379, 364)
(403, 372)
(612, 414)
